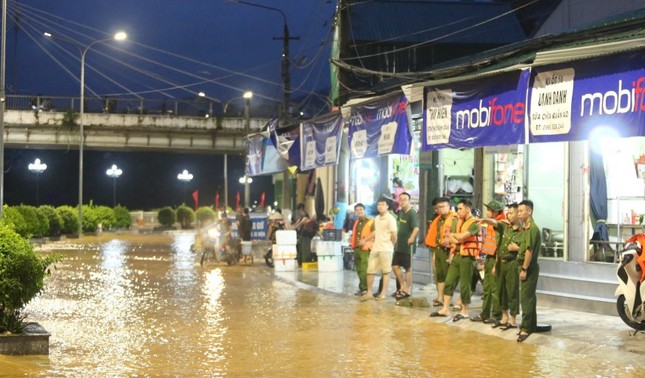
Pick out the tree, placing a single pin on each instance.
(166, 216)
(185, 216)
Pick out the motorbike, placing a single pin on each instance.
(631, 290)
(218, 247)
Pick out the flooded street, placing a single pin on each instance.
(142, 305)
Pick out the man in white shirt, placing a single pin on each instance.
(380, 259)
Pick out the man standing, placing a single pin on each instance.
(437, 238)
(363, 226)
(384, 237)
(464, 238)
(529, 269)
(491, 239)
(408, 228)
(506, 267)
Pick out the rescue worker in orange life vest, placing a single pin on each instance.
(491, 312)
(464, 238)
(437, 239)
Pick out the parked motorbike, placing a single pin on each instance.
(218, 247)
(631, 290)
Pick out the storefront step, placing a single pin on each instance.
(576, 302)
(577, 287)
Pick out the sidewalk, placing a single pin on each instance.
(591, 335)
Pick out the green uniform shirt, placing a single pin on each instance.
(509, 235)
(408, 221)
(531, 239)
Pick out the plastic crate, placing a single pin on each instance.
(247, 248)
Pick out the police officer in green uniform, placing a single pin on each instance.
(361, 253)
(506, 266)
(491, 312)
(439, 251)
(461, 268)
(529, 269)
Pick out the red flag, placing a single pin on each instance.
(217, 200)
(196, 198)
(262, 200)
(237, 200)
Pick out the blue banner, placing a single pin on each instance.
(588, 99)
(380, 127)
(286, 141)
(488, 111)
(320, 141)
(262, 156)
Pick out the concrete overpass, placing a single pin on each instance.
(50, 128)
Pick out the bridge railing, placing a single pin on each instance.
(114, 105)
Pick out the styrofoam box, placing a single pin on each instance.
(329, 248)
(285, 265)
(284, 251)
(286, 237)
(330, 263)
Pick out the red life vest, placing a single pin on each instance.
(367, 228)
(471, 245)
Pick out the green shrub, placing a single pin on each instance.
(122, 217)
(105, 216)
(13, 218)
(69, 217)
(22, 278)
(205, 215)
(43, 221)
(166, 216)
(185, 216)
(35, 226)
(55, 222)
(90, 219)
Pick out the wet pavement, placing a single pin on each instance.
(126, 305)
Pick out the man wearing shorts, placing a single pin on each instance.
(380, 259)
(408, 228)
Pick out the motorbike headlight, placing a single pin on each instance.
(213, 233)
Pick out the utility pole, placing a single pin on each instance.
(286, 75)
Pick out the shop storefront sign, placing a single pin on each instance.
(602, 97)
(474, 113)
(320, 141)
(380, 127)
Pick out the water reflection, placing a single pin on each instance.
(142, 305)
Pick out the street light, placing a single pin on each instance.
(114, 172)
(37, 167)
(119, 36)
(185, 177)
(246, 180)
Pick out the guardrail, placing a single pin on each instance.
(118, 105)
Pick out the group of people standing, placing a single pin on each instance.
(503, 244)
(384, 244)
(508, 242)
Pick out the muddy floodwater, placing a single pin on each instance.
(141, 305)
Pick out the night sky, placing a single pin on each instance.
(175, 49)
(149, 179)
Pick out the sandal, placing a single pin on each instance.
(507, 326)
(437, 303)
(458, 317)
(522, 337)
(401, 295)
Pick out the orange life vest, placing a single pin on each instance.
(446, 229)
(367, 228)
(489, 236)
(471, 245)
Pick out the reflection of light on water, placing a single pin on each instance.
(183, 275)
(214, 317)
(114, 255)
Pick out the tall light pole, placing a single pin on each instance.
(246, 181)
(37, 167)
(286, 79)
(120, 36)
(114, 172)
(3, 58)
(185, 177)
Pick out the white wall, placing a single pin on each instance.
(546, 169)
